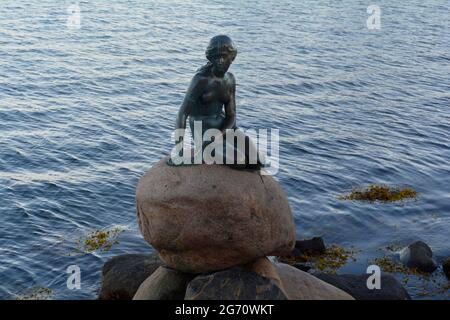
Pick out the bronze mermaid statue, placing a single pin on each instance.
(210, 102)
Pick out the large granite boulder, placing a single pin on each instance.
(356, 286)
(204, 218)
(122, 275)
(300, 285)
(418, 255)
(233, 284)
(164, 284)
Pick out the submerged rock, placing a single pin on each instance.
(164, 284)
(205, 218)
(418, 255)
(122, 275)
(356, 286)
(302, 266)
(446, 268)
(312, 246)
(233, 284)
(332, 259)
(300, 285)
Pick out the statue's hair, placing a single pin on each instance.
(220, 42)
(215, 44)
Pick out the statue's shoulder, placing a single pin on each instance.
(231, 79)
(231, 76)
(198, 81)
(199, 77)
(203, 72)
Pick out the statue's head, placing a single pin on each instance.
(221, 52)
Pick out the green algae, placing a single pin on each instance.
(389, 265)
(330, 261)
(39, 293)
(392, 248)
(427, 284)
(101, 240)
(380, 193)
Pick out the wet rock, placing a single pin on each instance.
(446, 268)
(233, 284)
(302, 267)
(205, 218)
(356, 286)
(418, 255)
(265, 268)
(164, 284)
(314, 246)
(122, 275)
(299, 285)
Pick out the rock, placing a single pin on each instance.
(265, 268)
(314, 246)
(122, 275)
(205, 218)
(418, 255)
(302, 266)
(299, 285)
(164, 284)
(356, 286)
(446, 267)
(233, 284)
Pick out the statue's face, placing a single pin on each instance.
(221, 61)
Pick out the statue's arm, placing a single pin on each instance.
(230, 107)
(189, 101)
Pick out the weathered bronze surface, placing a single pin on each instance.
(210, 99)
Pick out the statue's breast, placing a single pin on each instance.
(216, 91)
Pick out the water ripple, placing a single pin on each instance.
(83, 114)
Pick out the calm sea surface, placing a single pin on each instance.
(84, 113)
